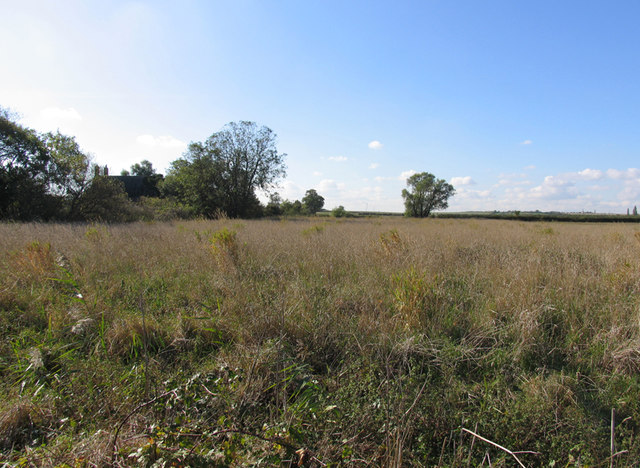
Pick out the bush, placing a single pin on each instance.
(339, 212)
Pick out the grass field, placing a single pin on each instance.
(320, 342)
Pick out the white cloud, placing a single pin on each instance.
(527, 142)
(591, 174)
(291, 191)
(467, 180)
(317, 174)
(375, 145)
(512, 180)
(327, 185)
(338, 158)
(406, 174)
(55, 113)
(631, 173)
(163, 141)
(554, 188)
(530, 167)
(374, 165)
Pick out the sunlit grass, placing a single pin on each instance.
(348, 342)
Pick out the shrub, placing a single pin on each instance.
(339, 212)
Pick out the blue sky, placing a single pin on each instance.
(520, 105)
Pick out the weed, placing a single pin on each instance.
(391, 242)
(224, 246)
(315, 229)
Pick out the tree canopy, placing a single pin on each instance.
(25, 172)
(312, 202)
(223, 172)
(142, 169)
(425, 193)
(70, 173)
(48, 176)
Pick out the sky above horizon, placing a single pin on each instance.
(519, 105)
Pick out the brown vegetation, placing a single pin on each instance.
(351, 342)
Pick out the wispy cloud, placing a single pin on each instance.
(527, 142)
(467, 180)
(375, 145)
(163, 141)
(330, 185)
(591, 174)
(530, 167)
(406, 174)
(631, 173)
(317, 174)
(338, 158)
(56, 113)
(374, 165)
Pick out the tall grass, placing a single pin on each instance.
(351, 342)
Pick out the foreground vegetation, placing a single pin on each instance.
(322, 343)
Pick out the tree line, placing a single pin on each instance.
(46, 176)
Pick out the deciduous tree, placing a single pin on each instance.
(312, 202)
(71, 171)
(425, 193)
(24, 172)
(223, 172)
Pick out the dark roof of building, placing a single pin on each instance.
(139, 186)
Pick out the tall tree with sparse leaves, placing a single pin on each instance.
(223, 172)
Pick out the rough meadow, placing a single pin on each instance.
(310, 342)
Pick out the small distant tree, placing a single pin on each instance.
(143, 169)
(274, 207)
(312, 202)
(339, 212)
(425, 193)
(291, 208)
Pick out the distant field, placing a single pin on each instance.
(510, 215)
(320, 342)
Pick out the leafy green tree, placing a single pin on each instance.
(249, 160)
(224, 172)
(24, 172)
(312, 202)
(105, 200)
(339, 212)
(195, 181)
(143, 169)
(71, 171)
(291, 208)
(425, 194)
(274, 207)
